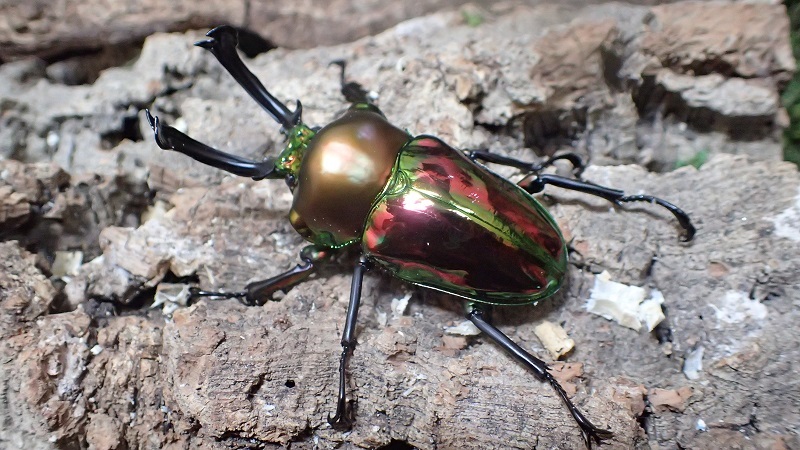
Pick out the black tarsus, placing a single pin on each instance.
(343, 419)
(536, 181)
(223, 46)
(589, 432)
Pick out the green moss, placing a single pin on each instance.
(791, 96)
(697, 160)
(471, 18)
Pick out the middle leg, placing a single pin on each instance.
(343, 419)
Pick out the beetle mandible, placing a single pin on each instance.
(410, 204)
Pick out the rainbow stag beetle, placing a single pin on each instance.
(412, 205)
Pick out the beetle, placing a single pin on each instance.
(411, 205)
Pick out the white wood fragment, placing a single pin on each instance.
(625, 304)
(399, 305)
(554, 338)
(66, 263)
(171, 297)
(693, 364)
(465, 328)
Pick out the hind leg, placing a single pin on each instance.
(536, 181)
(589, 432)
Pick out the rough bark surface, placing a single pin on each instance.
(50, 29)
(57, 29)
(86, 363)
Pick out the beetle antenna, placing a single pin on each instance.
(222, 45)
(353, 92)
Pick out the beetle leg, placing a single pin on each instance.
(573, 158)
(222, 44)
(343, 419)
(169, 138)
(535, 182)
(259, 292)
(540, 369)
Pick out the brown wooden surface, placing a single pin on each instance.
(86, 364)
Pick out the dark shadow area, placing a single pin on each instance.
(653, 101)
(84, 65)
(397, 445)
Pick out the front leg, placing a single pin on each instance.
(169, 138)
(259, 292)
